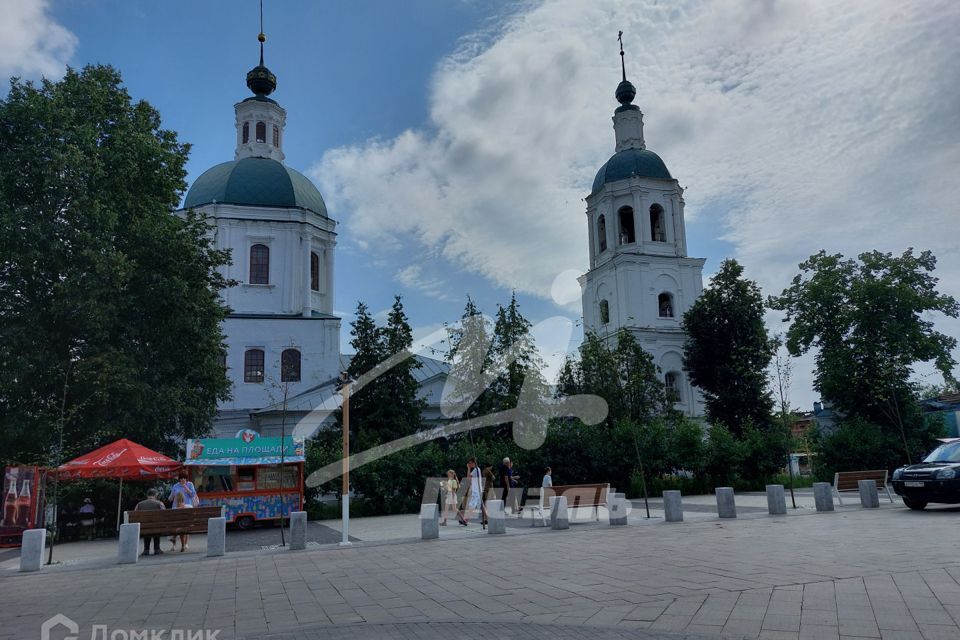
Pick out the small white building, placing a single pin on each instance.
(640, 276)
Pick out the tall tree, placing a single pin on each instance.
(400, 410)
(518, 368)
(623, 374)
(869, 320)
(471, 360)
(109, 304)
(727, 350)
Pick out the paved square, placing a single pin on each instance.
(888, 573)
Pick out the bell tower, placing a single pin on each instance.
(641, 278)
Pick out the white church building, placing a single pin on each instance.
(282, 338)
(640, 277)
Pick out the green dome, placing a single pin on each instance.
(258, 182)
(628, 163)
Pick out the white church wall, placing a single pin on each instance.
(316, 339)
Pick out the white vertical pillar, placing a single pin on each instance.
(305, 274)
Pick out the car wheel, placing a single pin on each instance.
(916, 505)
(245, 522)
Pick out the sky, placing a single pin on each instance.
(454, 140)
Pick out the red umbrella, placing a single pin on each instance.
(122, 459)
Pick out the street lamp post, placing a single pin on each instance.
(345, 490)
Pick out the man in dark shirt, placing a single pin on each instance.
(150, 504)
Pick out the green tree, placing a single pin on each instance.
(870, 322)
(517, 366)
(471, 360)
(727, 350)
(385, 408)
(109, 304)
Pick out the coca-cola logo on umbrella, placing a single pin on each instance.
(110, 457)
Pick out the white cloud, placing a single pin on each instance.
(793, 127)
(32, 43)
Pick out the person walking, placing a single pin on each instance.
(547, 478)
(510, 481)
(150, 504)
(488, 481)
(183, 495)
(450, 487)
(473, 500)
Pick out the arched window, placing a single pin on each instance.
(314, 272)
(658, 231)
(602, 233)
(222, 359)
(290, 366)
(276, 136)
(604, 312)
(665, 305)
(261, 132)
(671, 383)
(627, 232)
(259, 264)
(253, 365)
(246, 132)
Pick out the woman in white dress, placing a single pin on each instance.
(474, 497)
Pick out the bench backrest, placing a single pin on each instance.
(847, 480)
(578, 495)
(173, 521)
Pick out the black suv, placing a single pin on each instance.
(936, 479)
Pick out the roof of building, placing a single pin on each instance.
(259, 182)
(631, 162)
(317, 395)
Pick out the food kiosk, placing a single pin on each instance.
(248, 475)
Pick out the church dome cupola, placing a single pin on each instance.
(632, 158)
(260, 120)
(260, 79)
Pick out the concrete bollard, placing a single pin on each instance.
(776, 500)
(429, 521)
(823, 496)
(128, 550)
(496, 517)
(869, 496)
(298, 530)
(216, 537)
(559, 519)
(726, 504)
(617, 509)
(31, 549)
(672, 506)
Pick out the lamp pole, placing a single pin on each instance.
(345, 490)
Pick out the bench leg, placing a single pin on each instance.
(887, 489)
(837, 493)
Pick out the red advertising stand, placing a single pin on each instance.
(24, 505)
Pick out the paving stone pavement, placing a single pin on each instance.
(888, 574)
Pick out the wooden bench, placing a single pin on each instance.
(846, 481)
(578, 496)
(170, 522)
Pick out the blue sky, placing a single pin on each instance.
(454, 140)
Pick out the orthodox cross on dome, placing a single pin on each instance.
(626, 92)
(623, 66)
(261, 80)
(262, 38)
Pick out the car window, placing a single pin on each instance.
(945, 453)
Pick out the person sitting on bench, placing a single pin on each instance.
(150, 504)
